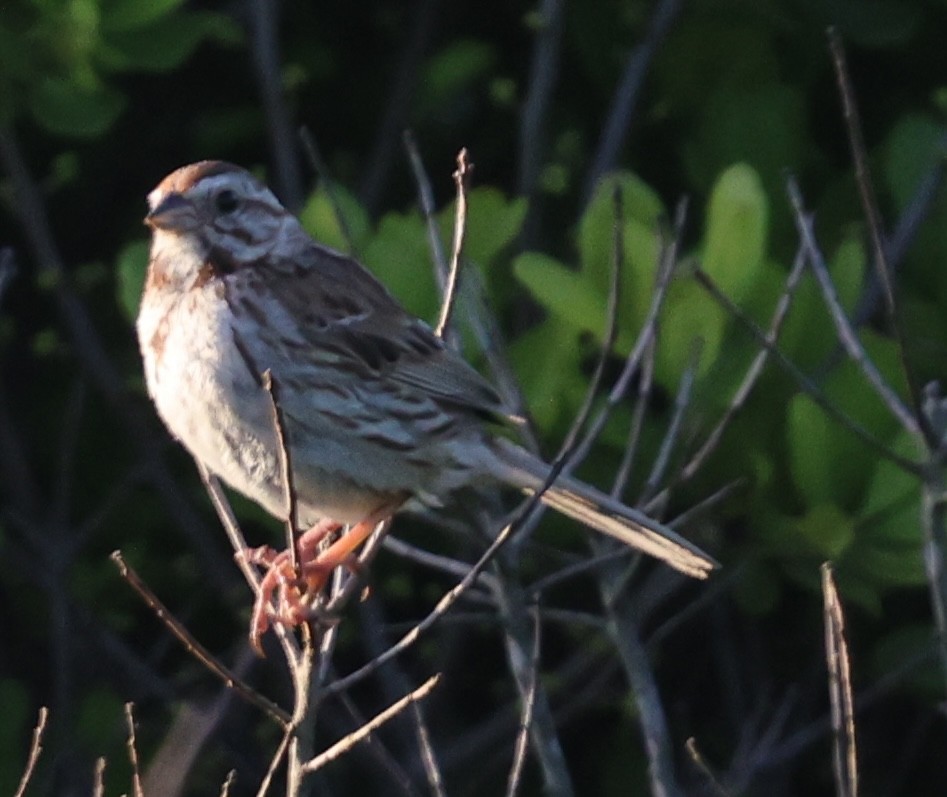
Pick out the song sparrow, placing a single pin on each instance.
(377, 410)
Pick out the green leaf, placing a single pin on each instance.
(764, 126)
(689, 317)
(911, 151)
(597, 229)
(891, 514)
(547, 360)
(493, 221)
(63, 107)
(321, 219)
(399, 255)
(736, 230)
(874, 23)
(130, 268)
(567, 294)
(827, 529)
(827, 464)
(168, 42)
(847, 268)
(895, 566)
(451, 71)
(124, 15)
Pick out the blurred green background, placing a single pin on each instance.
(558, 102)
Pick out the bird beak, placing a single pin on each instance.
(173, 213)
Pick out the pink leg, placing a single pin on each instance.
(293, 594)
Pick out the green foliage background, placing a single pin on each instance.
(107, 96)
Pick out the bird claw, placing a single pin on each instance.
(288, 591)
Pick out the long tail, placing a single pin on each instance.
(602, 513)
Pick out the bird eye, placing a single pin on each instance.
(226, 201)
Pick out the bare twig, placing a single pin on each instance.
(275, 762)
(229, 521)
(846, 333)
(428, 758)
(753, 373)
(399, 94)
(344, 745)
(880, 246)
(30, 209)
(286, 467)
(933, 523)
(698, 759)
(862, 172)
(681, 403)
(444, 564)
(526, 717)
(264, 47)
(845, 759)
(543, 75)
(36, 747)
(228, 782)
(7, 268)
(195, 648)
(133, 750)
(621, 114)
(322, 170)
(98, 778)
(481, 320)
(462, 181)
(630, 451)
(441, 608)
(610, 331)
(810, 388)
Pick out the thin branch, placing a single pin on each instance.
(36, 747)
(682, 400)
(287, 473)
(264, 47)
(753, 373)
(610, 332)
(933, 522)
(625, 100)
(481, 320)
(228, 783)
(439, 610)
(533, 133)
(275, 762)
(98, 778)
(7, 269)
(399, 94)
(229, 521)
(443, 564)
(31, 212)
(526, 718)
(875, 223)
(230, 679)
(638, 414)
(428, 758)
(543, 72)
(845, 759)
(344, 745)
(846, 333)
(426, 201)
(866, 189)
(133, 750)
(810, 388)
(311, 149)
(698, 760)
(462, 181)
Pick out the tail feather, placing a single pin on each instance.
(603, 513)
